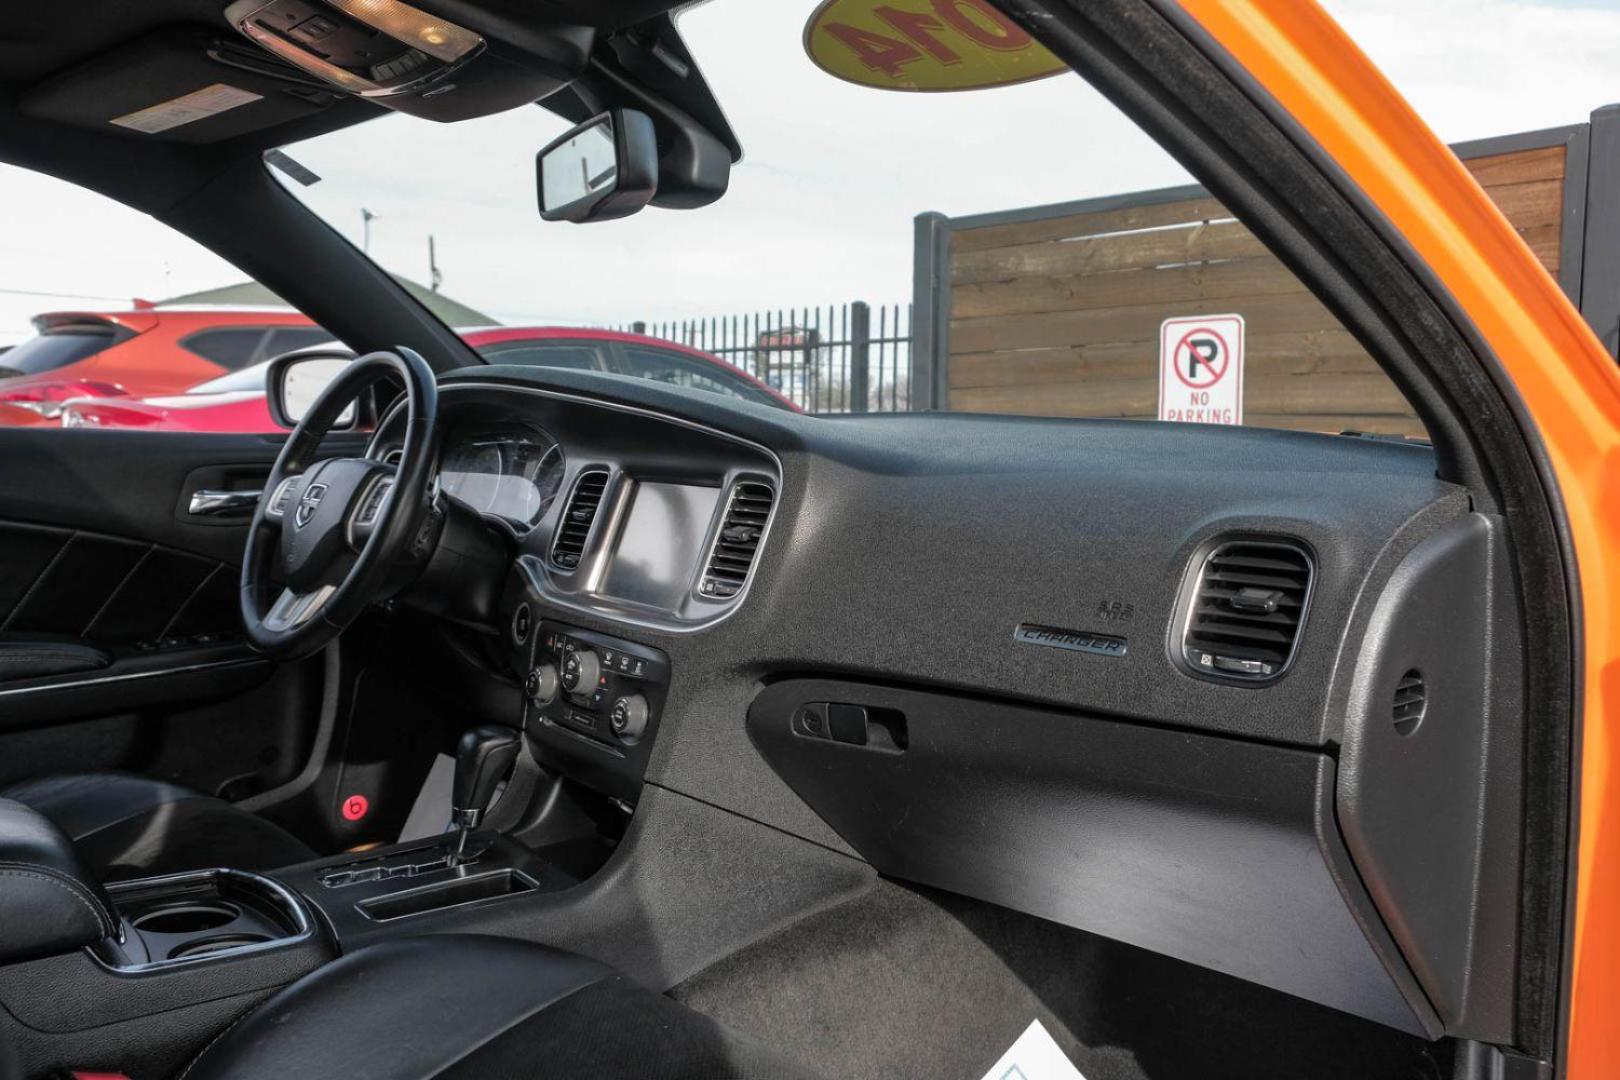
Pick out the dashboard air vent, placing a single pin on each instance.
(1411, 702)
(747, 511)
(1247, 609)
(575, 526)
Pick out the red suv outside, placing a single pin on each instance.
(93, 380)
(145, 351)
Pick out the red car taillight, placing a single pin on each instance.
(46, 399)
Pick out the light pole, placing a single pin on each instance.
(366, 217)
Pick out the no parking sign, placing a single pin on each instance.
(1201, 369)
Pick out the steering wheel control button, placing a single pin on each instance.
(278, 500)
(628, 719)
(541, 685)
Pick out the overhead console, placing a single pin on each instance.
(409, 59)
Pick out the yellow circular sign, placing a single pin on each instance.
(924, 45)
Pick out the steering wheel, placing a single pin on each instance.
(328, 534)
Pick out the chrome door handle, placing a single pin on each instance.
(209, 503)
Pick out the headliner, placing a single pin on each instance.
(38, 40)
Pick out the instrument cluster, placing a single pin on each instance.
(509, 472)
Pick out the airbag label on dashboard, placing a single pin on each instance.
(1074, 640)
(197, 105)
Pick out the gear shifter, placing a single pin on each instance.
(482, 758)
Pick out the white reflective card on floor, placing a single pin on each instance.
(1035, 1056)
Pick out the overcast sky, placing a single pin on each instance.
(819, 212)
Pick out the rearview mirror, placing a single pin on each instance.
(605, 168)
(294, 383)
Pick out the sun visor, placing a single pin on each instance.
(183, 84)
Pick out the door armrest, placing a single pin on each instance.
(40, 658)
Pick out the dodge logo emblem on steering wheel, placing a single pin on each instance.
(307, 504)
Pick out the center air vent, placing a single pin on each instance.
(1246, 610)
(747, 511)
(575, 526)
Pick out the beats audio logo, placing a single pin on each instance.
(355, 807)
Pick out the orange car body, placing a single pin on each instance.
(1566, 379)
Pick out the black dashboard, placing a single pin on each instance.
(967, 650)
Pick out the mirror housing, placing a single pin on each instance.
(294, 381)
(603, 169)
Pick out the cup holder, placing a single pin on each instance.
(216, 944)
(201, 915)
(186, 918)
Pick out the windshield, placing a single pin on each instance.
(822, 278)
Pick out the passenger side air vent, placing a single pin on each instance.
(574, 528)
(1411, 702)
(747, 511)
(1246, 610)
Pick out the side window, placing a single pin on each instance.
(571, 355)
(230, 349)
(678, 369)
(124, 323)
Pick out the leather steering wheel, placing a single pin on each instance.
(329, 533)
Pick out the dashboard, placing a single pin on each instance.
(955, 647)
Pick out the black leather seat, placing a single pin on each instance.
(478, 1008)
(125, 826)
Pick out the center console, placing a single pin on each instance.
(592, 701)
(132, 971)
(143, 966)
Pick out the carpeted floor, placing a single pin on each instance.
(909, 983)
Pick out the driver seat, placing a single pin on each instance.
(127, 826)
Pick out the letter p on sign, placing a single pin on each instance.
(1201, 369)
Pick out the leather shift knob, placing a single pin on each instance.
(482, 758)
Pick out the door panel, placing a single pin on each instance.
(99, 551)
(129, 484)
(104, 590)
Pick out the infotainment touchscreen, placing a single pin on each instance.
(656, 561)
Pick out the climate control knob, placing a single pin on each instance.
(628, 719)
(541, 685)
(580, 671)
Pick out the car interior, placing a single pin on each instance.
(750, 742)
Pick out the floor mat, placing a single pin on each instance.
(906, 982)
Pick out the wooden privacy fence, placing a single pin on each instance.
(1055, 310)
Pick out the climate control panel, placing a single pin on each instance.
(594, 700)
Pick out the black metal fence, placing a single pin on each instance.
(853, 358)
